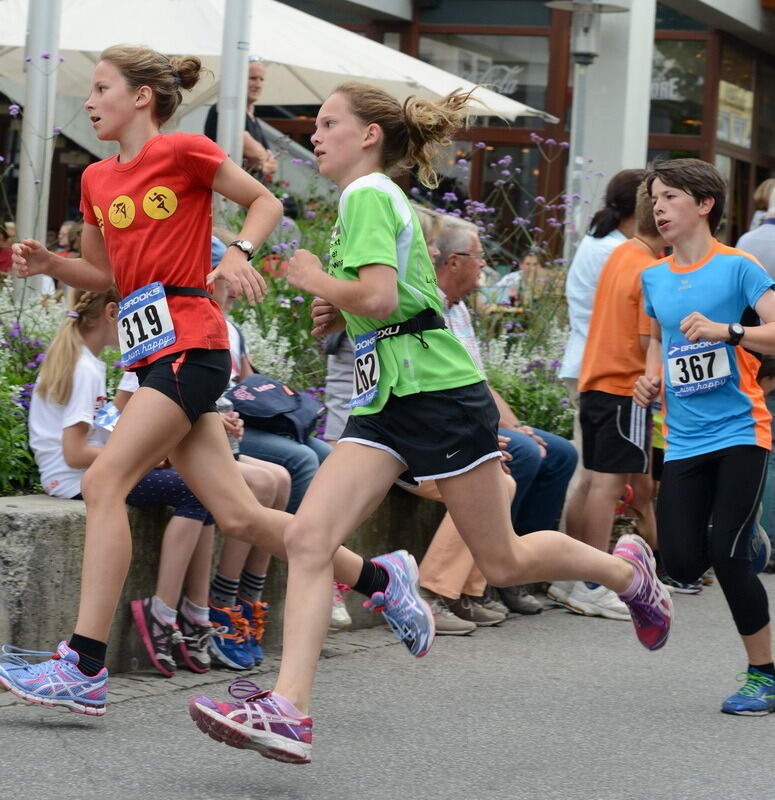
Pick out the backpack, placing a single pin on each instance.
(270, 405)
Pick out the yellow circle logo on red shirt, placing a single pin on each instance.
(160, 202)
(100, 219)
(122, 212)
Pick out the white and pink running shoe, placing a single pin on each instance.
(258, 721)
(650, 604)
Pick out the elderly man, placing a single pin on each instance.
(255, 148)
(542, 463)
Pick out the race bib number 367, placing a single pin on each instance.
(697, 367)
(144, 323)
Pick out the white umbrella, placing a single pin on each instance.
(309, 57)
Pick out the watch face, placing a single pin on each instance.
(738, 329)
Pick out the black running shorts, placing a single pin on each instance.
(194, 379)
(436, 434)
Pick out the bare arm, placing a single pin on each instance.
(647, 386)
(77, 453)
(373, 294)
(91, 272)
(264, 212)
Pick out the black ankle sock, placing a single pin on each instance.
(768, 669)
(91, 654)
(373, 578)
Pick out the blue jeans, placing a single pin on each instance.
(541, 482)
(301, 460)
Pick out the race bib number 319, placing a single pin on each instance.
(144, 323)
(697, 367)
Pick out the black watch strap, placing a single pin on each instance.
(736, 331)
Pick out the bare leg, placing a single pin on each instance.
(349, 485)
(477, 502)
(643, 505)
(605, 489)
(197, 580)
(758, 646)
(574, 508)
(180, 542)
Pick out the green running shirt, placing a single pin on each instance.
(376, 225)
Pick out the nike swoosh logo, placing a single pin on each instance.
(449, 455)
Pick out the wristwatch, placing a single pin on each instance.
(736, 333)
(244, 245)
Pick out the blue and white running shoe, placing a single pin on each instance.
(761, 548)
(406, 613)
(755, 698)
(56, 681)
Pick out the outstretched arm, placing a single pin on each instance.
(91, 272)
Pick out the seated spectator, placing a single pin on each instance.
(761, 202)
(67, 430)
(235, 600)
(542, 463)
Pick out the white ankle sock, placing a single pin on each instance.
(161, 610)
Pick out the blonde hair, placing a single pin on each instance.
(165, 76)
(761, 195)
(56, 375)
(431, 222)
(412, 133)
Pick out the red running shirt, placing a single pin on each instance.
(155, 214)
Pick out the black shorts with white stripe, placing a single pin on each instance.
(616, 433)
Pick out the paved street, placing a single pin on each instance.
(555, 706)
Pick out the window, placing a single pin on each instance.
(677, 85)
(515, 66)
(735, 98)
(485, 12)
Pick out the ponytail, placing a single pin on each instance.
(619, 202)
(412, 133)
(55, 380)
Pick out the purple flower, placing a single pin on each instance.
(56, 130)
(298, 299)
(1, 159)
(505, 172)
(310, 214)
(36, 181)
(61, 59)
(534, 137)
(414, 190)
(479, 145)
(14, 110)
(540, 199)
(40, 358)
(564, 144)
(449, 197)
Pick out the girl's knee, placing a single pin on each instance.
(302, 541)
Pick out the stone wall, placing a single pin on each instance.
(41, 547)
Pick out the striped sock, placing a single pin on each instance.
(251, 586)
(223, 591)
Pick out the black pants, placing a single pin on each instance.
(725, 487)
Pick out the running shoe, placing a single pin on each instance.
(228, 644)
(444, 621)
(755, 698)
(158, 636)
(56, 681)
(597, 602)
(466, 608)
(761, 548)
(340, 616)
(651, 607)
(519, 600)
(258, 721)
(406, 613)
(194, 645)
(560, 591)
(255, 616)
(677, 586)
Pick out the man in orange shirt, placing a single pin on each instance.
(616, 432)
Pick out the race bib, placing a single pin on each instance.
(144, 323)
(107, 417)
(697, 367)
(366, 370)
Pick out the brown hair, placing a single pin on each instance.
(619, 202)
(165, 76)
(644, 213)
(56, 374)
(412, 133)
(695, 177)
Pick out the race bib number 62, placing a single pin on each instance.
(366, 370)
(144, 323)
(697, 367)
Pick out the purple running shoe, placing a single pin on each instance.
(257, 722)
(651, 606)
(55, 682)
(406, 613)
